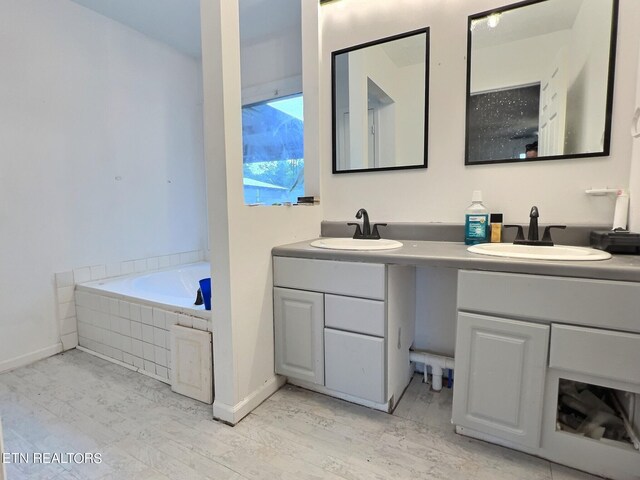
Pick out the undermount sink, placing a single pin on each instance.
(355, 244)
(534, 252)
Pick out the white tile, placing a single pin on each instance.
(83, 314)
(126, 344)
(136, 347)
(185, 320)
(175, 259)
(148, 352)
(153, 263)
(146, 315)
(150, 367)
(69, 341)
(65, 294)
(104, 304)
(134, 312)
(162, 372)
(116, 353)
(138, 362)
(159, 337)
(98, 272)
(68, 325)
(66, 310)
(193, 257)
(200, 324)
(113, 269)
(147, 333)
(160, 356)
(114, 307)
(140, 265)
(167, 343)
(93, 301)
(127, 358)
(64, 279)
(83, 330)
(136, 330)
(171, 318)
(82, 275)
(127, 268)
(184, 258)
(125, 327)
(125, 309)
(168, 359)
(114, 323)
(164, 261)
(159, 320)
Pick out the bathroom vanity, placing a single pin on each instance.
(525, 331)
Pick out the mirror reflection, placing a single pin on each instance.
(540, 81)
(379, 104)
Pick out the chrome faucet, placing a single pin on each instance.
(366, 233)
(532, 234)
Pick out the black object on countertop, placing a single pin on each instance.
(616, 241)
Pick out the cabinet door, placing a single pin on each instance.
(299, 324)
(500, 371)
(192, 363)
(355, 364)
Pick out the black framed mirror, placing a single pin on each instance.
(540, 77)
(380, 104)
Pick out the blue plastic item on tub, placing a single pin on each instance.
(205, 288)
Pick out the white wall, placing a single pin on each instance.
(241, 236)
(512, 64)
(587, 82)
(101, 151)
(441, 193)
(634, 176)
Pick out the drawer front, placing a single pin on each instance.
(577, 301)
(354, 314)
(365, 280)
(604, 353)
(354, 364)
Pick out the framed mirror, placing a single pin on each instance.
(540, 81)
(379, 94)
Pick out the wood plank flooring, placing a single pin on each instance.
(75, 402)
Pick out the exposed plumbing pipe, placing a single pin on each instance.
(437, 364)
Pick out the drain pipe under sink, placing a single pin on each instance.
(437, 364)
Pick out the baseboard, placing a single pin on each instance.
(232, 414)
(23, 360)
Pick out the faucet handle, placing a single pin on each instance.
(546, 236)
(375, 234)
(358, 232)
(519, 233)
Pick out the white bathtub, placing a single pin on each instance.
(129, 319)
(176, 287)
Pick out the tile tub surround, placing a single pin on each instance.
(131, 332)
(65, 285)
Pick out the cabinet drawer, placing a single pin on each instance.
(365, 280)
(354, 314)
(577, 301)
(604, 353)
(354, 364)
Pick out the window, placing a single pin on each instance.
(273, 144)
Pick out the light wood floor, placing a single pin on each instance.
(75, 402)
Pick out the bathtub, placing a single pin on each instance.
(176, 287)
(128, 319)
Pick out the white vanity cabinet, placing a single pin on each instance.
(345, 328)
(523, 340)
(500, 372)
(299, 345)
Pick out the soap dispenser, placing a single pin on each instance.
(476, 225)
